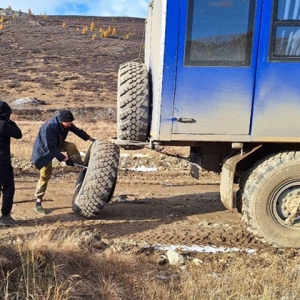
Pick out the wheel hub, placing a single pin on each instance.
(291, 207)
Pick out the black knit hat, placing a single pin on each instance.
(5, 110)
(66, 116)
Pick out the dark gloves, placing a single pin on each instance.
(69, 162)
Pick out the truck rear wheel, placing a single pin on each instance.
(271, 200)
(133, 104)
(95, 185)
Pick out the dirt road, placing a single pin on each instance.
(160, 208)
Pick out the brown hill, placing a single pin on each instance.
(51, 59)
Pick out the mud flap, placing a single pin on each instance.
(227, 177)
(226, 184)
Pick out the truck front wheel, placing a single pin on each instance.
(271, 200)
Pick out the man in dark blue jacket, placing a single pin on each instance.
(49, 144)
(8, 129)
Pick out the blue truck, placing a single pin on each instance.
(222, 77)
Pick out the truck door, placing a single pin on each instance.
(217, 58)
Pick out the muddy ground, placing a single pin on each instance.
(161, 208)
(61, 67)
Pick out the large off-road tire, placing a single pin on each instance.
(269, 193)
(242, 181)
(133, 106)
(95, 185)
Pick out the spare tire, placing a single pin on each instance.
(95, 185)
(133, 108)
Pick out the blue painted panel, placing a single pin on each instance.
(277, 97)
(169, 68)
(218, 99)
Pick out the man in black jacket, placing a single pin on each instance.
(49, 144)
(8, 129)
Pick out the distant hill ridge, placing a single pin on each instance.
(50, 59)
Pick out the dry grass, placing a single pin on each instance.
(57, 265)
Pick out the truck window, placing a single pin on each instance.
(219, 33)
(286, 30)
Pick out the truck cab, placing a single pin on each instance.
(222, 77)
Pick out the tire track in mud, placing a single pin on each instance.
(189, 235)
(184, 213)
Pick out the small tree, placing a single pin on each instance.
(92, 26)
(106, 33)
(114, 31)
(84, 30)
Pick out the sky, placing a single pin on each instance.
(101, 8)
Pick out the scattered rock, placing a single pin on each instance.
(35, 23)
(197, 261)
(27, 101)
(174, 258)
(162, 260)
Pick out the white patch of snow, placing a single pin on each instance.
(203, 249)
(141, 169)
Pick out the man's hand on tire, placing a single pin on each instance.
(69, 162)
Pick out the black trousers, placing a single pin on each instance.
(7, 187)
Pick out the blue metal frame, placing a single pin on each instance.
(260, 102)
(170, 68)
(277, 94)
